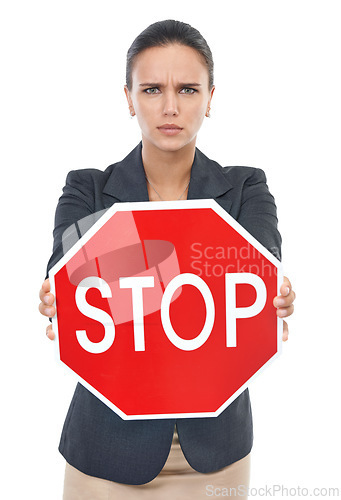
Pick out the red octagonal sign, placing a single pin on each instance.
(164, 309)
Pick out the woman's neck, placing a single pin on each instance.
(167, 171)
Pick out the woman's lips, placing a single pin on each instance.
(170, 129)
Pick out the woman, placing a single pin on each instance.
(169, 88)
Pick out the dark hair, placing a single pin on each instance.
(163, 33)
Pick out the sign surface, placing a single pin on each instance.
(164, 309)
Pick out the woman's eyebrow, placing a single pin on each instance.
(161, 85)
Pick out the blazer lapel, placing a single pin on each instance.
(207, 178)
(127, 181)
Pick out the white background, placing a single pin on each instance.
(277, 106)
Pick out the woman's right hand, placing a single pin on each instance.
(46, 306)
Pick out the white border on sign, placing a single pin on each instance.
(167, 205)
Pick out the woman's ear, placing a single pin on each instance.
(211, 95)
(207, 114)
(129, 99)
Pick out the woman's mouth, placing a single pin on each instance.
(170, 129)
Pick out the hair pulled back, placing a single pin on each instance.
(163, 33)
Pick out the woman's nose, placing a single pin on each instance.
(170, 105)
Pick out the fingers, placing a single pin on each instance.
(44, 291)
(285, 300)
(47, 298)
(46, 285)
(284, 304)
(45, 310)
(284, 312)
(285, 286)
(46, 307)
(287, 294)
(50, 333)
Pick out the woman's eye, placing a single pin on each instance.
(187, 90)
(153, 90)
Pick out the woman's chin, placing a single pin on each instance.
(169, 144)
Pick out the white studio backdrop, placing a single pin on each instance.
(277, 106)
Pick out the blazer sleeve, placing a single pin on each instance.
(258, 212)
(76, 202)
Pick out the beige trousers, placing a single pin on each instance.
(176, 481)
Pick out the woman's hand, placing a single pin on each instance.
(284, 304)
(46, 306)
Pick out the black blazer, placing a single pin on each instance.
(94, 439)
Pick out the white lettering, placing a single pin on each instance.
(232, 311)
(96, 314)
(137, 283)
(173, 285)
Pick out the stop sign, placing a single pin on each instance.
(165, 310)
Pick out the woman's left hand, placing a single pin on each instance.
(284, 304)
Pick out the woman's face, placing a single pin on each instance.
(169, 95)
